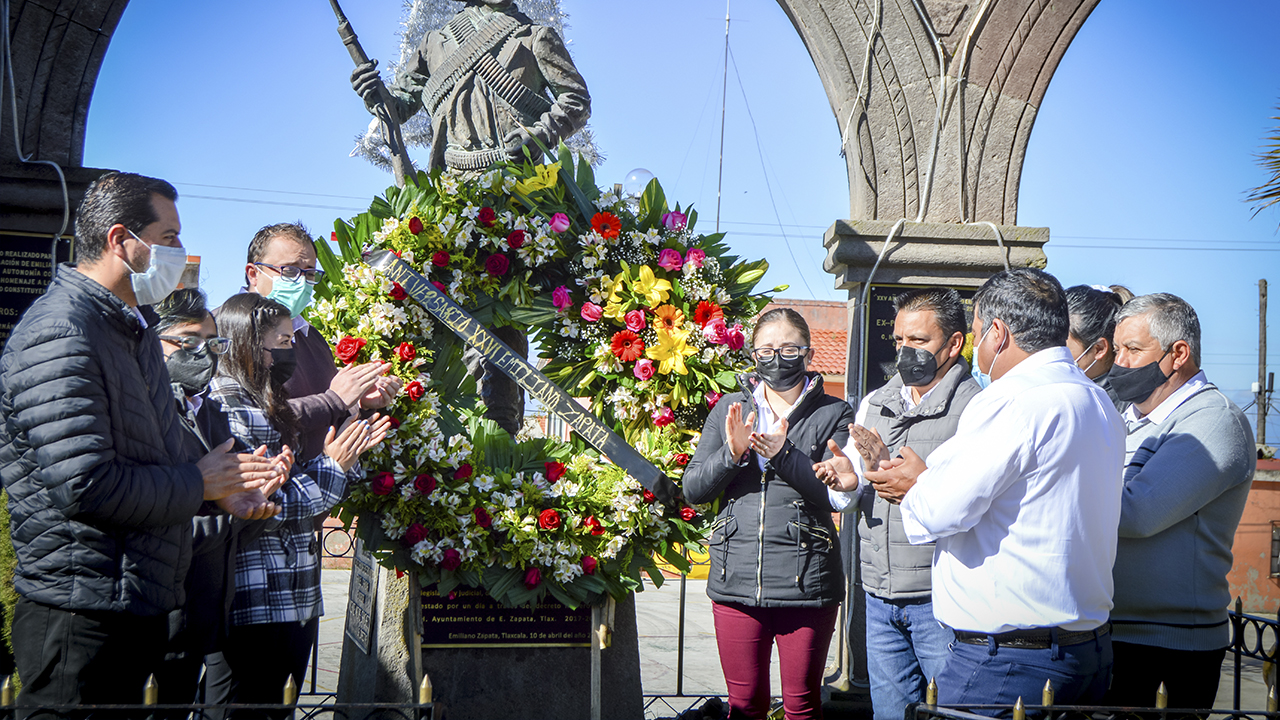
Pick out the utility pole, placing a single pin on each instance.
(1261, 400)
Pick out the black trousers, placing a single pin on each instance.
(258, 659)
(87, 657)
(1189, 676)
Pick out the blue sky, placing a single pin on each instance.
(1139, 161)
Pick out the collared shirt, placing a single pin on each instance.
(1134, 419)
(1024, 503)
(278, 573)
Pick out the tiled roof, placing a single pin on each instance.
(829, 350)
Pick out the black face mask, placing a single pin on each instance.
(1135, 385)
(190, 370)
(780, 373)
(917, 366)
(283, 363)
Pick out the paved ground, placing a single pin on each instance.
(657, 616)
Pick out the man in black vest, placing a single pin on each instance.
(919, 406)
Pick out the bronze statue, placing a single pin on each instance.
(491, 80)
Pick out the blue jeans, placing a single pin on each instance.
(995, 675)
(906, 647)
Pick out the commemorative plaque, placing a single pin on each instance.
(468, 617)
(881, 357)
(360, 596)
(26, 268)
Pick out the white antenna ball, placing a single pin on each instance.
(637, 180)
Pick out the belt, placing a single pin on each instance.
(1033, 638)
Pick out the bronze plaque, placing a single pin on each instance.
(468, 617)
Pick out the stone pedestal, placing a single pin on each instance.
(391, 670)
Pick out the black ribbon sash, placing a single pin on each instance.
(525, 374)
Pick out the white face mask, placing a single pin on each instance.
(161, 275)
(1095, 360)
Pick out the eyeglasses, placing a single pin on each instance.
(291, 273)
(197, 345)
(789, 352)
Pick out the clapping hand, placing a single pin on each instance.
(897, 476)
(737, 432)
(345, 446)
(869, 446)
(767, 445)
(837, 472)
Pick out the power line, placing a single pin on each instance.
(268, 190)
(275, 202)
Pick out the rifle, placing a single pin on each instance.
(401, 165)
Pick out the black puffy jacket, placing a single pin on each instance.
(101, 478)
(773, 543)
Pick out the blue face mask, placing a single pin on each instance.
(294, 295)
(984, 379)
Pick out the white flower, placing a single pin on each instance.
(485, 483)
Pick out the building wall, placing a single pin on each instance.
(1250, 576)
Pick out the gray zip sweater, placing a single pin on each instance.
(1186, 480)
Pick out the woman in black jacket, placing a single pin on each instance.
(775, 567)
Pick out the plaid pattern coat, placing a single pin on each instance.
(278, 573)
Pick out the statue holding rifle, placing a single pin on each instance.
(491, 81)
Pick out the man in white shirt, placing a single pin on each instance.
(1189, 463)
(1023, 502)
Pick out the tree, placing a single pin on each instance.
(1268, 194)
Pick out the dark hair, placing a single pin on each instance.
(782, 314)
(944, 303)
(1169, 319)
(1030, 302)
(294, 231)
(1093, 314)
(116, 198)
(244, 319)
(184, 306)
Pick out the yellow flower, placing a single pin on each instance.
(544, 176)
(669, 318)
(614, 311)
(650, 288)
(670, 352)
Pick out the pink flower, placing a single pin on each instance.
(675, 221)
(533, 578)
(716, 332)
(713, 398)
(634, 320)
(452, 559)
(559, 222)
(670, 259)
(560, 298)
(591, 312)
(643, 369)
(736, 338)
(695, 257)
(663, 416)
(589, 565)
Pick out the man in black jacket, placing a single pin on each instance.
(102, 480)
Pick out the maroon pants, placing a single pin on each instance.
(745, 637)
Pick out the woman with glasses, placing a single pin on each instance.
(775, 572)
(277, 602)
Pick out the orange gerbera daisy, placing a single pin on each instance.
(668, 317)
(627, 346)
(706, 312)
(607, 224)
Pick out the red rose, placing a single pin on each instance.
(397, 291)
(415, 391)
(440, 259)
(687, 513)
(649, 497)
(382, 483)
(589, 565)
(395, 423)
(348, 349)
(440, 286)
(515, 239)
(406, 352)
(590, 521)
(681, 458)
(415, 225)
(549, 519)
(533, 578)
(482, 517)
(463, 472)
(555, 470)
(425, 484)
(497, 265)
(414, 535)
(486, 216)
(452, 560)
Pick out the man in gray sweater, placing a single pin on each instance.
(1189, 463)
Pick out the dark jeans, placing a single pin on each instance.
(745, 637)
(258, 661)
(88, 657)
(996, 675)
(1189, 676)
